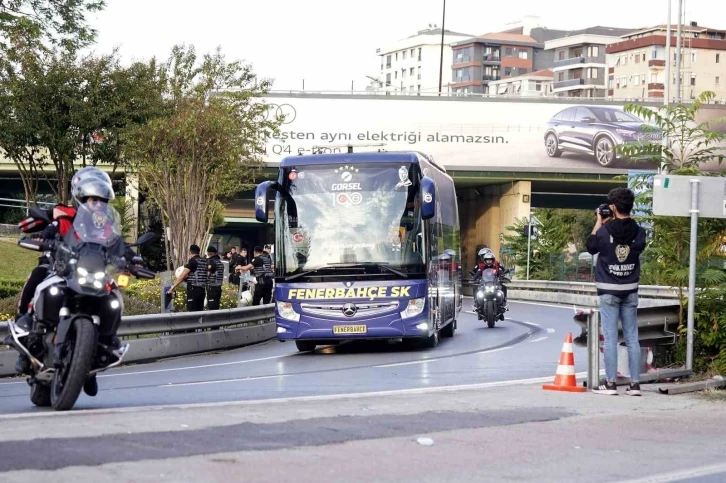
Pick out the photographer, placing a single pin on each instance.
(619, 241)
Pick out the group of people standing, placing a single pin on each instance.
(204, 276)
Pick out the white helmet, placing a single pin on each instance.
(89, 172)
(245, 299)
(178, 271)
(92, 186)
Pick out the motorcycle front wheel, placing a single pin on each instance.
(68, 379)
(490, 314)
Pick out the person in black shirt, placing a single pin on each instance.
(215, 277)
(260, 266)
(195, 277)
(236, 268)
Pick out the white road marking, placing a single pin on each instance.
(538, 339)
(256, 402)
(550, 331)
(222, 381)
(175, 369)
(556, 306)
(682, 475)
(410, 363)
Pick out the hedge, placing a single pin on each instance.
(10, 287)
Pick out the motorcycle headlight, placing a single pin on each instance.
(480, 295)
(489, 288)
(414, 308)
(287, 312)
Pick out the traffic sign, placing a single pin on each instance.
(672, 196)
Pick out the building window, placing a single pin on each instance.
(538, 86)
(419, 87)
(419, 72)
(403, 55)
(653, 78)
(419, 54)
(388, 62)
(611, 82)
(617, 83)
(693, 80)
(413, 53)
(592, 73)
(625, 60)
(523, 54)
(403, 73)
(593, 51)
(396, 56)
(411, 89)
(403, 89)
(560, 76)
(624, 82)
(637, 58)
(642, 56)
(388, 79)
(617, 61)
(718, 58)
(642, 79)
(410, 71)
(693, 56)
(718, 80)
(395, 75)
(561, 55)
(654, 53)
(507, 71)
(508, 52)
(636, 80)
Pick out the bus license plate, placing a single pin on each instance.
(349, 329)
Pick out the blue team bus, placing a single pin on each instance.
(367, 246)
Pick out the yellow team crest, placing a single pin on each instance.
(622, 252)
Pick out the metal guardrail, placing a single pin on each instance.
(178, 333)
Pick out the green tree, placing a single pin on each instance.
(206, 148)
(550, 241)
(690, 145)
(57, 110)
(36, 24)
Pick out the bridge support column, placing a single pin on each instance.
(484, 214)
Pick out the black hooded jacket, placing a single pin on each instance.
(619, 244)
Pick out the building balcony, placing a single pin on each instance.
(491, 78)
(568, 83)
(656, 64)
(570, 61)
(656, 86)
(491, 59)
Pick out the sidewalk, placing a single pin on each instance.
(494, 434)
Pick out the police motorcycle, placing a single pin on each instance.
(77, 306)
(489, 302)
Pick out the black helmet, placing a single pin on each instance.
(92, 186)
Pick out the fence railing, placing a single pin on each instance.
(181, 333)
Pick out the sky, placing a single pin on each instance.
(330, 44)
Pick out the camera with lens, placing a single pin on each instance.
(605, 210)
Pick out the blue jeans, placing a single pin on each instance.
(625, 309)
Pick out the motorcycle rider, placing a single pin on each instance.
(489, 261)
(61, 217)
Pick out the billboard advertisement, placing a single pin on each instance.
(522, 135)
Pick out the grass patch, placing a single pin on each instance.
(17, 262)
(714, 394)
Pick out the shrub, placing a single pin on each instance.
(10, 287)
(8, 307)
(149, 292)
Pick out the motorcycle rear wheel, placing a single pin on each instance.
(68, 380)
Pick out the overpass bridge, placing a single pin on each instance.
(494, 149)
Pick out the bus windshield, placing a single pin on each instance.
(333, 217)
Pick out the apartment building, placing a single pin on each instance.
(412, 64)
(534, 84)
(637, 63)
(580, 63)
(479, 61)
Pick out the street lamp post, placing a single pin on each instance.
(441, 60)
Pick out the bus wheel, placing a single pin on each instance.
(431, 341)
(449, 330)
(305, 345)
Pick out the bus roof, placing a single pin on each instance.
(341, 158)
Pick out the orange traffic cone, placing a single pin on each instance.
(565, 375)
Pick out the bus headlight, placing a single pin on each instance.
(414, 308)
(287, 312)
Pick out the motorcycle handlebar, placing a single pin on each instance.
(35, 244)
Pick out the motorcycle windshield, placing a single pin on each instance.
(489, 276)
(97, 223)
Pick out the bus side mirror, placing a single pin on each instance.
(262, 200)
(428, 198)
